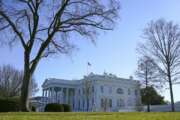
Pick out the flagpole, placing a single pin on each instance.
(87, 70)
(88, 65)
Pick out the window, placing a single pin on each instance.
(79, 92)
(92, 101)
(92, 89)
(102, 102)
(129, 91)
(83, 104)
(110, 89)
(136, 92)
(83, 91)
(79, 104)
(120, 91)
(110, 103)
(120, 103)
(102, 89)
(129, 102)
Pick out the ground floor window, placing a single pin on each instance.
(102, 102)
(110, 103)
(120, 103)
(79, 104)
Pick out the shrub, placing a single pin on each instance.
(33, 109)
(9, 104)
(54, 107)
(67, 108)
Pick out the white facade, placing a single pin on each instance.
(94, 93)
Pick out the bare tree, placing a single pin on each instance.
(149, 75)
(105, 104)
(44, 27)
(163, 45)
(11, 82)
(88, 89)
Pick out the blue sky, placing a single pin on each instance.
(114, 52)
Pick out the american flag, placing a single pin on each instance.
(89, 64)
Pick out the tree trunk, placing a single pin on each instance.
(87, 104)
(25, 85)
(147, 92)
(171, 91)
(171, 94)
(148, 100)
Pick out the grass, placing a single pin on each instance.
(90, 116)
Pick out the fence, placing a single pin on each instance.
(162, 108)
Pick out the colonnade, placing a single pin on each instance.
(60, 95)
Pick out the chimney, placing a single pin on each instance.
(131, 77)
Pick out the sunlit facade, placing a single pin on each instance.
(93, 93)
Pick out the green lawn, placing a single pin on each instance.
(90, 116)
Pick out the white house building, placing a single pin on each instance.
(93, 93)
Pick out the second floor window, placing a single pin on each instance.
(110, 89)
(102, 89)
(92, 89)
(79, 92)
(129, 91)
(136, 92)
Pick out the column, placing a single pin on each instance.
(58, 95)
(70, 96)
(52, 95)
(67, 96)
(45, 99)
(74, 101)
(62, 95)
(48, 92)
(43, 93)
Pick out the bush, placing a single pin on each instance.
(67, 108)
(9, 104)
(33, 109)
(54, 107)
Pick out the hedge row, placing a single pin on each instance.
(55, 107)
(9, 105)
(12, 105)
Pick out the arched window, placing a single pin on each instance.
(120, 91)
